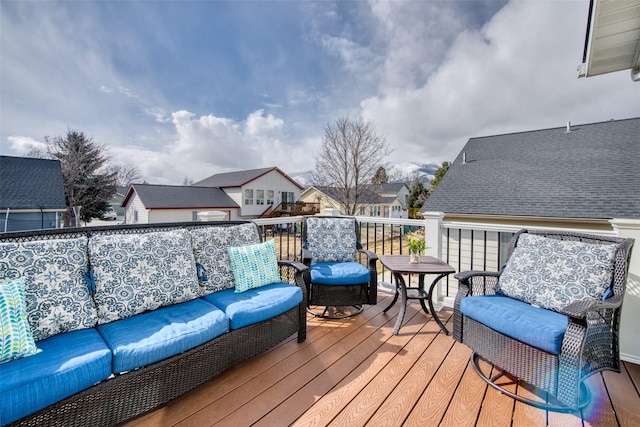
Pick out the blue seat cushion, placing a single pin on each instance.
(155, 335)
(257, 304)
(538, 327)
(69, 363)
(339, 273)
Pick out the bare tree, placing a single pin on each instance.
(126, 174)
(187, 180)
(352, 152)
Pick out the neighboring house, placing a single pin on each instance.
(584, 177)
(578, 176)
(31, 194)
(167, 203)
(256, 191)
(116, 200)
(382, 201)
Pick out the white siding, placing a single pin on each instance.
(271, 181)
(135, 205)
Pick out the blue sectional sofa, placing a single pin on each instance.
(122, 319)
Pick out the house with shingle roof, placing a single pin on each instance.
(255, 191)
(379, 200)
(579, 176)
(146, 203)
(31, 194)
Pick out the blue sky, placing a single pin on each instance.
(193, 88)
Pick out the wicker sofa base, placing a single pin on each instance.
(126, 396)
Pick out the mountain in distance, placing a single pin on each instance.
(400, 172)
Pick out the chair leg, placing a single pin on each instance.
(343, 315)
(553, 407)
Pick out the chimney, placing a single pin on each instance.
(464, 158)
(568, 127)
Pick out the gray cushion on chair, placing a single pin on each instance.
(331, 239)
(552, 273)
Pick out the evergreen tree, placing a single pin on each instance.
(417, 195)
(380, 176)
(87, 183)
(442, 170)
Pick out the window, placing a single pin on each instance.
(194, 215)
(374, 210)
(259, 197)
(270, 197)
(135, 216)
(288, 197)
(362, 210)
(248, 197)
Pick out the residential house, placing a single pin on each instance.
(146, 203)
(612, 41)
(31, 194)
(256, 191)
(584, 177)
(382, 201)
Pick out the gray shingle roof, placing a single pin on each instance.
(590, 172)
(180, 197)
(238, 178)
(27, 183)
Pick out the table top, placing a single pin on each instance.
(427, 265)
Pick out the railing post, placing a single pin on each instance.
(629, 331)
(433, 233)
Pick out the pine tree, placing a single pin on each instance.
(87, 183)
(381, 176)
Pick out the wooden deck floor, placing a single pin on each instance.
(354, 372)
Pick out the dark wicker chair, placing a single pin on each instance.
(589, 344)
(342, 276)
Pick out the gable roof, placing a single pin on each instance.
(240, 178)
(179, 197)
(590, 171)
(27, 183)
(368, 196)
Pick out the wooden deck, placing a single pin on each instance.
(354, 372)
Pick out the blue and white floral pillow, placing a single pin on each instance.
(210, 250)
(134, 273)
(57, 296)
(331, 239)
(552, 273)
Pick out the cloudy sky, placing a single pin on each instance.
(193, 88)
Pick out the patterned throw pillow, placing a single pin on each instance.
(134, 273)
(254, 265)
(552, 273)
(56, 293)
(331, 239)
(16, 340)
(210, 250)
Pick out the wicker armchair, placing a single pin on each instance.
(342, 275)
(589, 344)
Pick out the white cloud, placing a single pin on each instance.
(517, 73)
(25, 144)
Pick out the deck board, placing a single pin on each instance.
(355, 372)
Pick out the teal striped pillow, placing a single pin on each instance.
(254, 265)
(16, 340)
